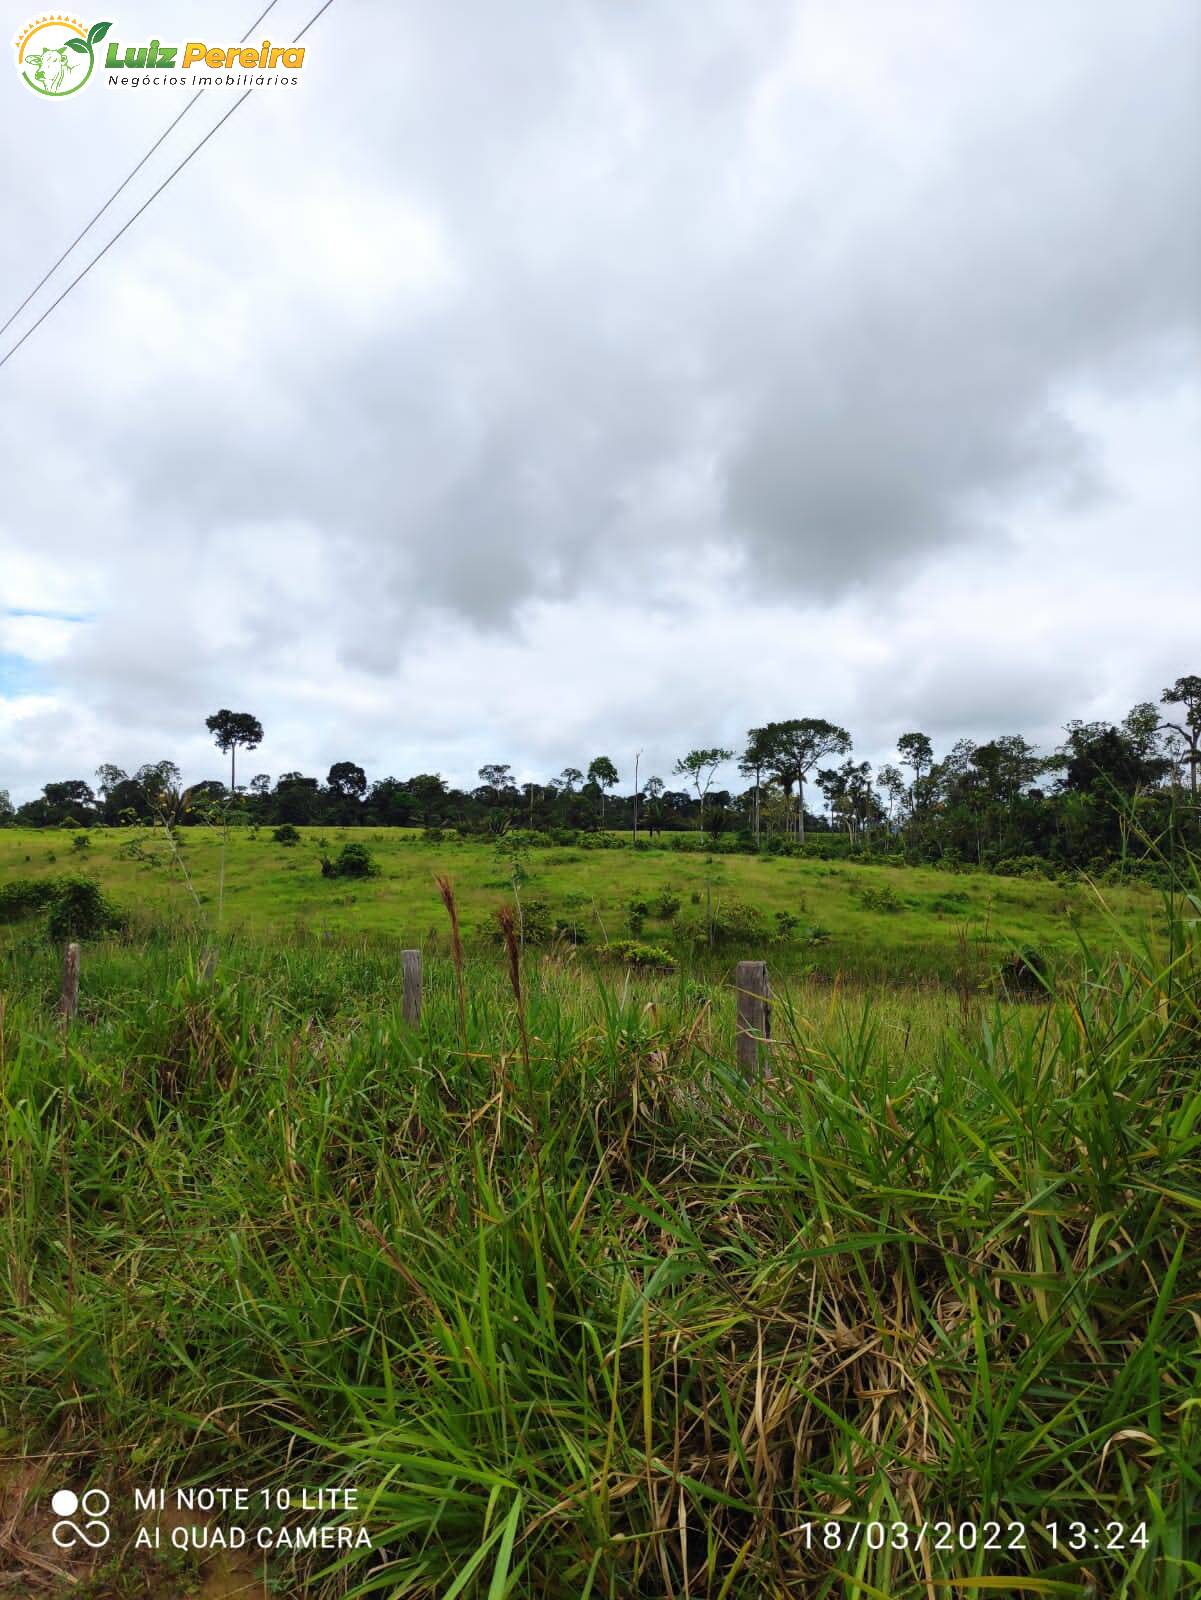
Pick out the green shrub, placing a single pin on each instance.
(729, 922)
(1026, 971)
(534, 923)
(666, 906)
(25, 895)
(737, 921)
(286, 833)
(80, 911)
(1024, 867)
(353, 861)
(885, 899)
(81, 842)
(949, 902)
(647, 957)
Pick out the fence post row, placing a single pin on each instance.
(754, 1017)
(410, 1003)
(750, 979)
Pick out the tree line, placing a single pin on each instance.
(1107, 790)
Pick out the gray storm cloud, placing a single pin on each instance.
(661, 308)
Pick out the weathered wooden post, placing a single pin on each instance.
(68, 1003)
(410, 1003)
(754, 1017)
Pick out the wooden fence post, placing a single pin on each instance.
(754, 1017)
(68, 1003)
(410, 1003)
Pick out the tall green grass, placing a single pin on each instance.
(620, 1324)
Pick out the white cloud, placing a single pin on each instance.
(599, 377)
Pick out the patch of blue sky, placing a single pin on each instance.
(45, 616)
(19, 675)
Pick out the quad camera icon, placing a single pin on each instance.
(92, 1506)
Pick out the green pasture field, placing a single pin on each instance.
(874, 923)
(577, 1309)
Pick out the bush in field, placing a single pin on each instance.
(1026, 971)
(23, 896)
(787, 923)
(533, 921)
(80, 911)
(949, 902)
(884, 899)
(286, 833)
(81, 842)
(353, 861)
(637, 912)
(729, 922)
(646, 957)
(666, 906)
(1024, 867)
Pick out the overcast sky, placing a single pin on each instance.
(559, 377)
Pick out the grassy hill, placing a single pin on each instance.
(876, 923)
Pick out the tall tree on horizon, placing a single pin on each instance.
(231, 729)
(1186, 692)
(603, 774)
(701, 766)
(755, 760)
(917, 753)
(793, 748)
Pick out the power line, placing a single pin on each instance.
(174, 173)
(88, 226)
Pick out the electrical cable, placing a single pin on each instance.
(174, 173)
(88, 226)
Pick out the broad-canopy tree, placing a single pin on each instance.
(231, 729)
(496, 775)
(794, 747)
(347, 780)
(159, 781)
(701, 766)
